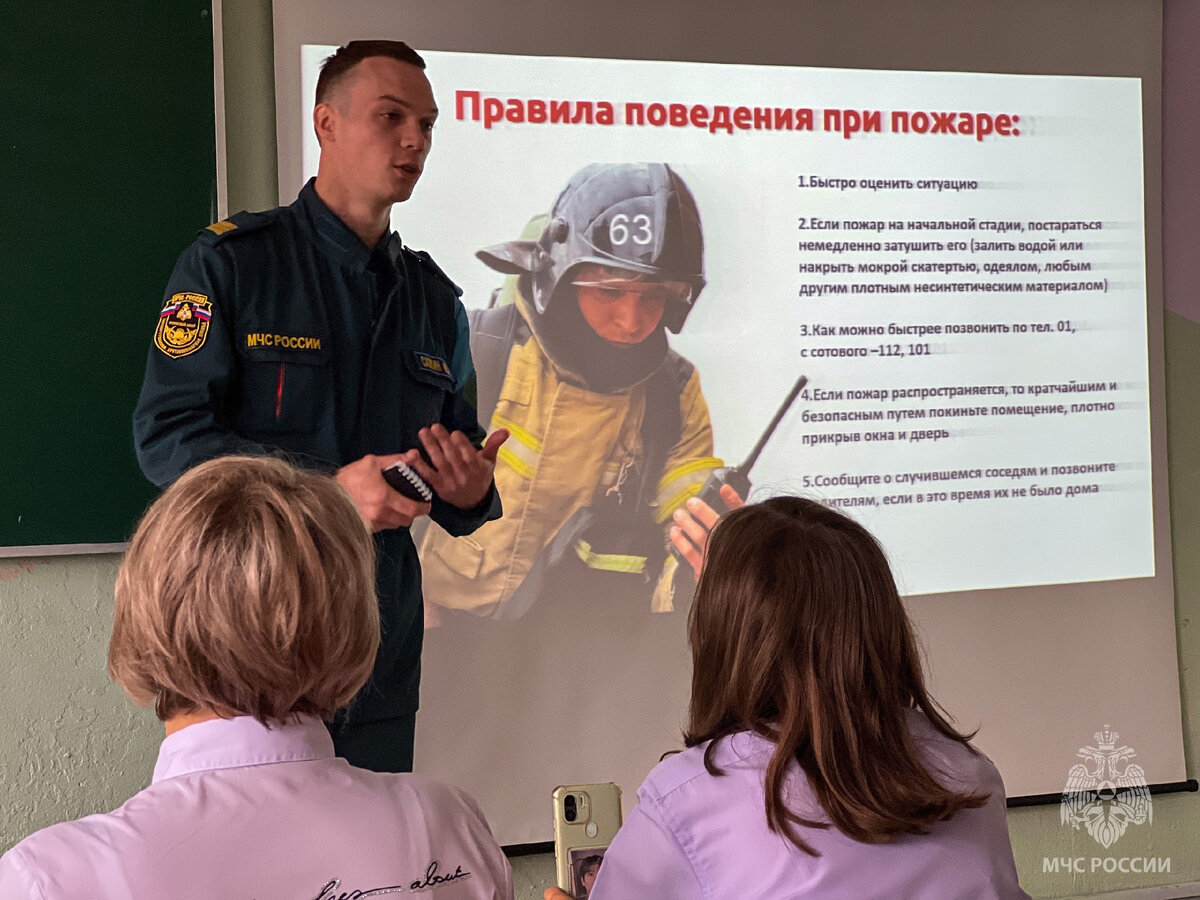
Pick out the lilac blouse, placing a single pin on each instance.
(237, 810)
(693, 835)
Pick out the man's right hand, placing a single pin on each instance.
(380, 505)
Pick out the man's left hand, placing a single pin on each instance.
(461, 473)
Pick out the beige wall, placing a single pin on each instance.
(74, 745)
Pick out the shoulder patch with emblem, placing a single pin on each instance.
(183, 324)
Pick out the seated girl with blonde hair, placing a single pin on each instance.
(246, 614)
(817, 764)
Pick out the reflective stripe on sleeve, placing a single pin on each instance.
(682, 483)
(609, 562)
(522, 451)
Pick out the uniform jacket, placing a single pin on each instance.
(282, 333)
(237, 810)
(570, 448)
(694, 835)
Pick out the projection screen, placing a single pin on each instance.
(961, 266)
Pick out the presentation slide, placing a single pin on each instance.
(955, 262)
(656, 253)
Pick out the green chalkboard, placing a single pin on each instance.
(108, 172)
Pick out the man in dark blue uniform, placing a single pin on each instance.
(310, 331)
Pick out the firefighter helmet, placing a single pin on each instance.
(637, 217)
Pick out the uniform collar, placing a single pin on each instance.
(336, 238)
(242, 741)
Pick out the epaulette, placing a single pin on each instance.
(428, 263)
(238, 223)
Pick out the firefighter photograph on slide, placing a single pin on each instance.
(610, 431)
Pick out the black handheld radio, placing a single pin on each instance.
(738, 477)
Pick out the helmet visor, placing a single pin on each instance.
(650, 291)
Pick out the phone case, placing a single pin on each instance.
(598, 816)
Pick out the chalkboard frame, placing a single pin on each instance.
(109, 174)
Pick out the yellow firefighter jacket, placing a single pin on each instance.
(569, 448)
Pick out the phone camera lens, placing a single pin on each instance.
(569, 810)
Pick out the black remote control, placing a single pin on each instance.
(403, 479)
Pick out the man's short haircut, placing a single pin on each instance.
(336, 67)
(248, 588)
(590, 862)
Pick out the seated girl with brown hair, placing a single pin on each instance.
(817, 765)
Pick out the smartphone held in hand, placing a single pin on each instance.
(586, 818)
